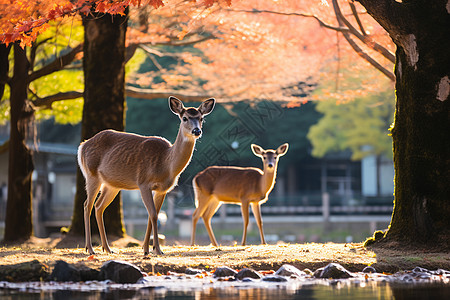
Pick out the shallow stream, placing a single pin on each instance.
(364, 286)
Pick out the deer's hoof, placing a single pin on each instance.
(157, 251)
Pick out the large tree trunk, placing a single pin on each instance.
(104, 97)
(18, 224)
(421, 31)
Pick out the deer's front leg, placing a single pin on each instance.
(158, 200)
(245, 213)
(147, 197)
(257, 213)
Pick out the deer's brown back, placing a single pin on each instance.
(230, 183)
(125, 160)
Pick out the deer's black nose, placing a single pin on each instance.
(270, 165)
(196, 131)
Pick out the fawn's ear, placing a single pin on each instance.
(207, 106)
(282, 149)
(257, 150)
(176, 106)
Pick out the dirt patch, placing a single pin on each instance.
(353, 256)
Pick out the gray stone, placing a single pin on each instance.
(224, 272)
(274, 278)
(248, 273)
(27, 271)
(289, 270)
(335, 271)
(88, 274)
(120, 272)
(318, 272)
(369, 269)
(65, 272)
(191, 271)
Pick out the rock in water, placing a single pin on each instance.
(248, 273)
(224, 272)
(192, 271)
(369, 269)
(65, 272)
(274, 278)
(289, 270)
(120, 272)
(27, 271)
(333, 270)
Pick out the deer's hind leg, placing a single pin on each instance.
(201, 200)
(107, 195)
(213, 206)
(92, 187)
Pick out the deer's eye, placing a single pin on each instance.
(185, 119)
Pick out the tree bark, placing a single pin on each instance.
(18, 221)
(421, 143)
(104, 98)
(4, 67)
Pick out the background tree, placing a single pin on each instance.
(104, 99)
(27, 66)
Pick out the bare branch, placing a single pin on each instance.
(129, 51)
(150, 94)
(157, 52)
(46, 102)
(322, 23)
(183, 43)
(359, 51)
(363, 38)
(56, 65)
(358, 20)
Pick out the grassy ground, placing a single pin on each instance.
(177, 258)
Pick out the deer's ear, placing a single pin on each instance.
(207, 106)
(257, 150)
(282, 149)
(176, 106)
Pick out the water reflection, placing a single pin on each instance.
(336, 290)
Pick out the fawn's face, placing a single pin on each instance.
(270, 157)
(191, 118)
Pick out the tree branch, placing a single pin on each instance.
(47, 102)
(358, 20)
(150, 94)
(322, 23)
(183, 43)
(363, 38)
(358, 50)
(56, 65)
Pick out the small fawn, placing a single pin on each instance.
(111, 161)
(243, 186)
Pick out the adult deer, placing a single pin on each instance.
(244, 186)
(111, 161)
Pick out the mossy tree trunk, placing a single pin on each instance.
(421, 30)
(104, 98)
(18, 220)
